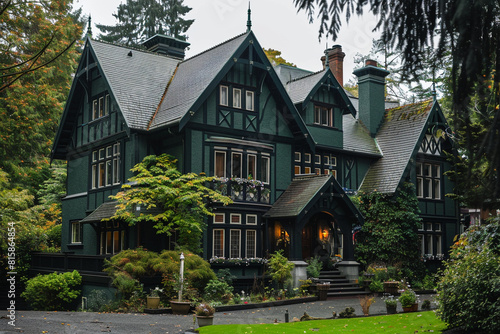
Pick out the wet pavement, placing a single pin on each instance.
(138, 323)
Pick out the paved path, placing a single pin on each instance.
(34, 322)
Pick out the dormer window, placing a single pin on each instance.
(100, 106)
(323, 116)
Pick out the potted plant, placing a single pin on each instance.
(391, 305)
(204, 314)
(153, 299)
(322, 289)
(408, 301)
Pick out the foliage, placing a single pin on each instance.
(204, 310)
(127, 286)
(348, 312)
(97, 300)
(468, 35)
(304, 286)
(407, 298)
(218, 290)
(314, 266)
(156, 292)
(275, 58)
(140, 20)
(280, 268)
(376, 286)
(168, 199)
(426, 305)
(475, 257)
(390, 301)
(53, 292)
(389, 234)
(365, 303)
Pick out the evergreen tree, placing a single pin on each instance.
(142, 19)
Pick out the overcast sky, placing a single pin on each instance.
(276, 24)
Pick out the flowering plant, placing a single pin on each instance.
(204, 310)
(155, 292)
(238, 261)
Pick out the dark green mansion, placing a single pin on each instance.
(288, 146)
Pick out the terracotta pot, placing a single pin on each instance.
(152, 302)
(180, 307)
(205, 320)
(413, 308)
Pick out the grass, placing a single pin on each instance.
(414, 322)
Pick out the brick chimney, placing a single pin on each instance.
(371, 87)
(166, 45)
(335, 62)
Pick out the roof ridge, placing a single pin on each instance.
(410, 105)
(215, 46)
(134, 48)
(305, 76)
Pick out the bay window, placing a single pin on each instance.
(105, 166)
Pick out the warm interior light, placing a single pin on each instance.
(324, 233)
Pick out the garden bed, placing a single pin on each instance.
(265, 304)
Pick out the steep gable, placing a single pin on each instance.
(137, 79)
(399, 138)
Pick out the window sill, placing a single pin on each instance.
(75, 246)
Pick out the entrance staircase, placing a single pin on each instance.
(340, 286)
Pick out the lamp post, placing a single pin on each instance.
(181, 277)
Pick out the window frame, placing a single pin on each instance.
(253, 216)
(76, 232)
(237, 98)
(251, 94)
(247, 244)
(224, 163)
(105, 166)
(224, 102)
(235, 215)
(222, 238)
(238, 248)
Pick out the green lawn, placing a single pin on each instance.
(415, 322)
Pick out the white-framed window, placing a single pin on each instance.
(76, 232)
(220, 164)
(251, 219)
(224, 96)
(105, 166)
(297, 170)
(236, 164)
(235, 244)
(265, 164)
(298, 157)
(307, 170)
(218, 242)
(251, 244)
(252, 166)
(431, 240)
(428, 180)
(249, 100)
(219, 218)
(100, 106)
(307, 158)
(323, 116)
(237, 98)
(317, 159)
(235, 218)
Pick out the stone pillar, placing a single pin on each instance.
(350, 269)
(298, 272)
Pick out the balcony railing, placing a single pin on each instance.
(68, 262)
(240, 189)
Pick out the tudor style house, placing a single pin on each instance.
(288, 146)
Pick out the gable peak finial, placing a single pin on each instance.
(249, 20)
(89, 27)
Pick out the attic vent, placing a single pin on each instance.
(166, 45)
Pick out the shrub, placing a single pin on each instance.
(218, 290)
(426, 305)
(280, 268)
(347, 313)
(314, 267)
(53, 292)
(97, 301)
(407, 298)
(469, 289)
(376, 286)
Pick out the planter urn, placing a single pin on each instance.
(180, 307)
(205, 320)
(322, 290)
(412, 308)
(152, 302)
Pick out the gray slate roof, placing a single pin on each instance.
(192, 78)
(137, 82)
(299, 89)
(357, 138)
(288, 73)
(298, 194)
(105, 210)
(398, 138)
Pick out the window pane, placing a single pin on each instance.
(102, 175)
(324, 116)
(237, 98)
(317, 115)
(116, 170)
(94, 176)
(297, 157)
(235, 219)
(106, 105)
(420, 187)
(101, 106)
(264, 170)
(427, 170)
(223, 95)
(252, 166)
(249, 101)
(437, 189)
(234, 249)
(297, 170)
(103, 242)
(109, 242)
(219, 218)
(116, 241)
(251, 219)
(75, 233)
(251, 244)
(95, 109)
(220, 164)
(236, 164)
(218, 243)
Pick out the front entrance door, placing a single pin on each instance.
(318, 237)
